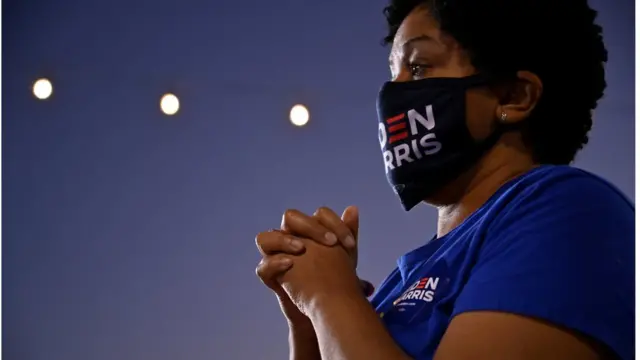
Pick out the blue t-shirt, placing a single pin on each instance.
(556, 244)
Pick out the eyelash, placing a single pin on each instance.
(418, 70)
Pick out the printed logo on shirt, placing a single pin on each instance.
(422, 291)
(427, 288)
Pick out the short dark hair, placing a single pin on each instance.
(558, 40)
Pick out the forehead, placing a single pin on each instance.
(418, 23)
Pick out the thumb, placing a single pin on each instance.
(351, 218)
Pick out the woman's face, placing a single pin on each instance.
(420, 50)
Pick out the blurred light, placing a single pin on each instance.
(42, 89)
(169, 104)
(299, 115)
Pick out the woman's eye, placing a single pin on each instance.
(418, 71)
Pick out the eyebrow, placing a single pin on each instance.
(420, 38)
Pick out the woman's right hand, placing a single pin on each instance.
(278, 246)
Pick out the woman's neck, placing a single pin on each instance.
(493, 171)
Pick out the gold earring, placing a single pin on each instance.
(503, 117)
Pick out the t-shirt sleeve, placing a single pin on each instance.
(565, 254)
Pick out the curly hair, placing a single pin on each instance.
(558, 40)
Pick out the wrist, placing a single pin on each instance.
(320, 303)
(291, 312)
(343, 291)
(304, 330)
(299, 324)
(303, 342)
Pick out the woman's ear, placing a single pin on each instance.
(520, 99)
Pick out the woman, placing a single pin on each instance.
(488, 103)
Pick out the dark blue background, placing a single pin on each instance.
(130, 235)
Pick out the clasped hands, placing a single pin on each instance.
(311, 258)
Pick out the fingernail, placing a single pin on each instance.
(296, 244)
(349, 241)
(331, 238)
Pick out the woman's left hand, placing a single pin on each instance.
(345, 228)
(326, 227)
(323, 229)
(320, 272)
(323, 270)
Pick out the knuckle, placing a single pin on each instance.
(289, 213)
(262, 239)
(259, 239)
(287, 217)
(269, 239)
(322, 211)
(260, 269)
(267, 268)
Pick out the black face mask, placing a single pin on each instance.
(424, 136)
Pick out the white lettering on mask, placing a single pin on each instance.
(407, 151)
